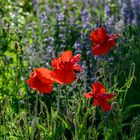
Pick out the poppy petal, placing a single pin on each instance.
(63, 76)
(104, 48)
(102, 102)
(54, 62)
(109, 96)
(95, 102)
(44, 75)
(70, 77)
(94, 36)
(89, 95)
(97, 87)
(102, 35)
(77, 67)
(99, 35)
(66, 56)
(115, 36)
(105, 107)
(40, 85)
(103, 42)
(100, 97)
(76, 58)
(64, 66)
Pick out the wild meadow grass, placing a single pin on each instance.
(32, 34)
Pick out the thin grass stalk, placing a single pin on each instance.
(130, 79)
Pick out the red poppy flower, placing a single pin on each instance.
(64, 68)
(103, 42)
(40, 80)
(100, 97)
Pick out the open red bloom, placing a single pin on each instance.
(40, 80)
(100, 97)
(103, 42)
(64, 68)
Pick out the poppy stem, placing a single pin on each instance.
(36, 105)
(58, 103)
(35, 119)
(58, 99)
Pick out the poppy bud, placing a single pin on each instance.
(84, 108)
(79, 80)
(16, 45)
(114, 106)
